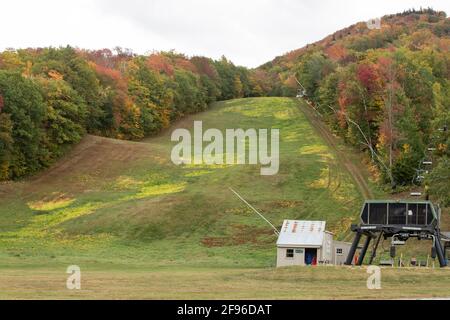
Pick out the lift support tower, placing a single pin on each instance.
(398, 220)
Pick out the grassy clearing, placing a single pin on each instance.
(124, 213)
(233, 283)
(113, 194)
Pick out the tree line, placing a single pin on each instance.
(385, 91)
(51, 97)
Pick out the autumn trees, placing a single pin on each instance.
(22, 115)
(389, 97)
(385, 91)
(50, 97)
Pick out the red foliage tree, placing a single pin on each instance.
(103, 57)
(367, 76)
(110, 76)
(336, 52)
(161, 64)
(204, 67)
(185, 64)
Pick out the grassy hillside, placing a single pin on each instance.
(119, 200)
(126, 215)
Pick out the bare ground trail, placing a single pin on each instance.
(332, 142)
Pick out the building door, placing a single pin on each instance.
(311, 256)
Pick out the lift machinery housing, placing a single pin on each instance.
(400, 221)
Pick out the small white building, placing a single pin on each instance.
(303, 243)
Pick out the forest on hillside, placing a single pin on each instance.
(386, 91)
(51, 97)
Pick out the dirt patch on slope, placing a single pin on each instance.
(93, 157)
(241, 235)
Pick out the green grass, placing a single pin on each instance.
(111, 206)
(232, 283)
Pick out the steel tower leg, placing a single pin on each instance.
(440, 252)
(446, 248)
(374, 252)
(353, 248)
(364, 251)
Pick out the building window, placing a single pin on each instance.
(289, 253)
(339, 251)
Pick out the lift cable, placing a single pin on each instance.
(368, 141)
(251, 207)
(299, 83)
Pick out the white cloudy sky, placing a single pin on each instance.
(249, 32)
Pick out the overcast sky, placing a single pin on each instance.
(249, 32)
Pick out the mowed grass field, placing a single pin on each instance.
(306, 283)
(140, 227)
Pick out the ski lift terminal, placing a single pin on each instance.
(400, 221)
